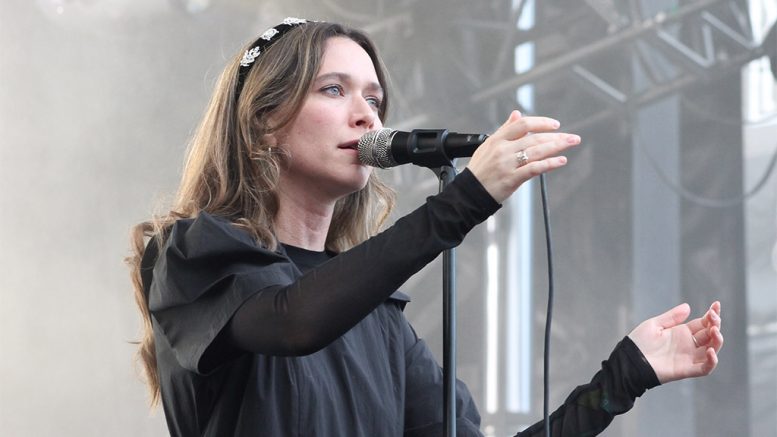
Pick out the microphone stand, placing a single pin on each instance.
(446, 174)
(427, 148)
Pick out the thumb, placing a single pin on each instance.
(514, 115)
(675, 316)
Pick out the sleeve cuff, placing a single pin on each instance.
(644, 375)
(475, 192)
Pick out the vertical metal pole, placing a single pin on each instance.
(446, 175)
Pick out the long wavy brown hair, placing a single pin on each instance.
(230, 171)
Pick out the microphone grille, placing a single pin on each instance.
(375, 148)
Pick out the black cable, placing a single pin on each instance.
(707, 201)
(707, 115)
(546, 356)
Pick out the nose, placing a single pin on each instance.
(363, 114)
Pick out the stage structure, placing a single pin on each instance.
(648, 215)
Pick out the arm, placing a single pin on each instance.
(658, 350)
(214, 289)
(326, 302)
(307, 315)
(590, 408)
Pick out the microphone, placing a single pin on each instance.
(431, 148)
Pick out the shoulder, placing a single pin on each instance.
(208, 252)
(207, 245)
(205, 235)
(207, 231)
(209, 236)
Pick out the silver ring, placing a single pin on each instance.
(693, 337)
(522, 157)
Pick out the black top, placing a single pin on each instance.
(252, 342)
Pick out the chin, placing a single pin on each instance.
(363, 178)
(358, 184)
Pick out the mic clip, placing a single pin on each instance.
(422, 147)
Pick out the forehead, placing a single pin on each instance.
(344, 54)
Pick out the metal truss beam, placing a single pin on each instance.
(648, 30)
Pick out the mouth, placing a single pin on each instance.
(353, 145)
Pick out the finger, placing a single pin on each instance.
(537, 139)
(697, 324)
(711, 318)
(674, 316)
(536, 168)
(702, 338)
(551, 148)
(715, 307)
(519, 127)
(708, 338)
(514, 115)
(710, 362)
(716, 339)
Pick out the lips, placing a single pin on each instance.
(353, 145)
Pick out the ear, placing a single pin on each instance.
(266, 147)
(269, 140)
(271, 144)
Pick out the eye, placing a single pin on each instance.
(374, 101)
(333, 90)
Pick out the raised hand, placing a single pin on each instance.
(523, 147)
(678, 350)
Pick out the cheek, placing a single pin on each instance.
(304, 127)
(316, 122)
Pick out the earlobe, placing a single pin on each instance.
(269, 141)
(265, 148)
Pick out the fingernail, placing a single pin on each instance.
(573, 139)
(556, 124)
(562, 160)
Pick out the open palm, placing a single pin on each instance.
(678, 350)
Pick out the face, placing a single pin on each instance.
(342, 104)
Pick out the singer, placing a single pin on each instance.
(269, 292)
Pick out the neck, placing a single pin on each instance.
(303, 219)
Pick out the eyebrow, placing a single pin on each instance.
(344, 77)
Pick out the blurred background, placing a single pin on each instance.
(672, 197)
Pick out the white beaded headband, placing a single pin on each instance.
(262, 43)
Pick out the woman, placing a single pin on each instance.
(268, 295)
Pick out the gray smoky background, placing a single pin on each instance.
(671, 198)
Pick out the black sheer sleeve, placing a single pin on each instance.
(587, 411)
(215, 292)
(303, 317)
(203, 272)
(590, 408)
